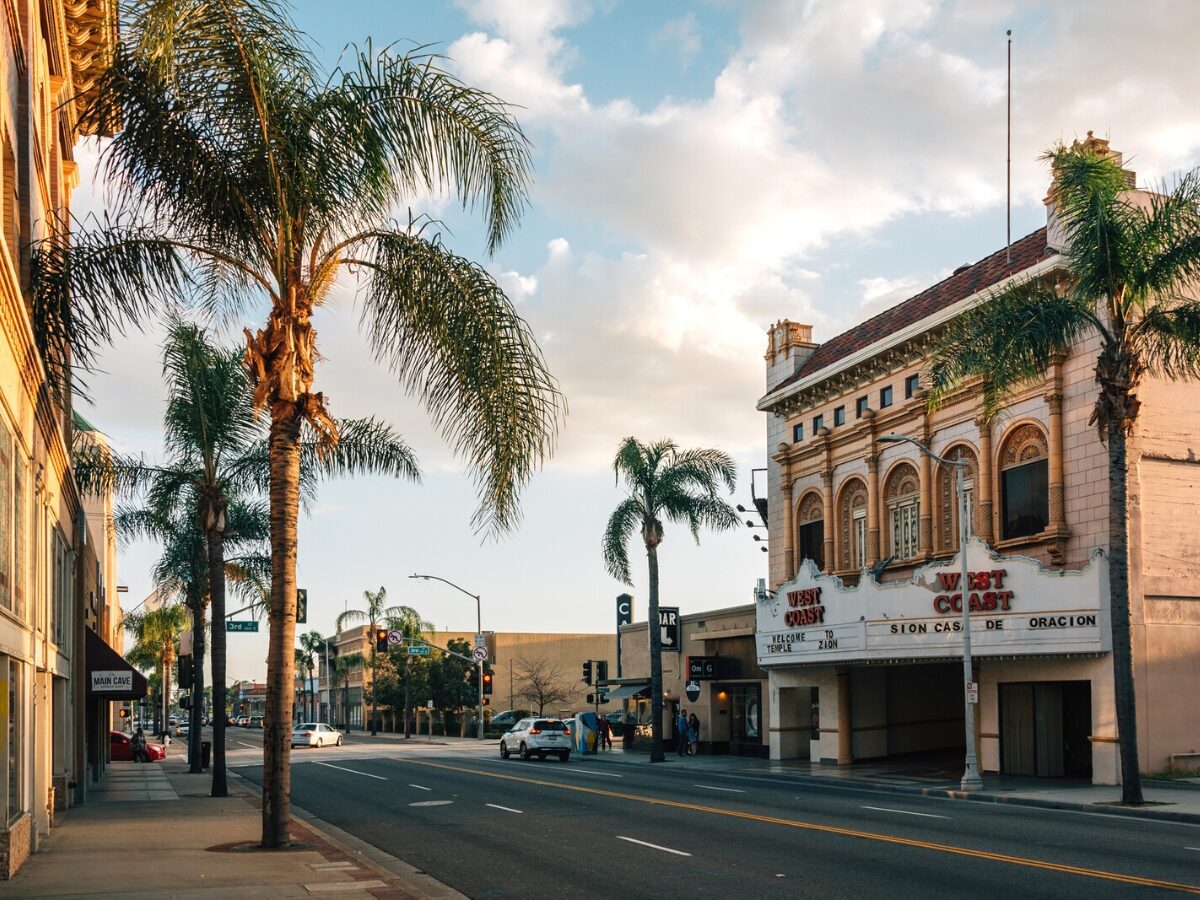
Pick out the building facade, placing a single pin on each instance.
(52, 52)
(858, 631)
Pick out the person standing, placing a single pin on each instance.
(693, 735)
(605, 733)
(681, 730)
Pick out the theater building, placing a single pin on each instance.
(859, 632)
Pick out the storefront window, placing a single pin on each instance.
(14, 739)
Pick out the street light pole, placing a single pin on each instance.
(478, 630)
(970, 780)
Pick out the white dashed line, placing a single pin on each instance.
(585, 772)
(432, 803)
(905, 812)
(709, 787)
(505, 808)
(351, 771)
(420, 787)
(621, 837)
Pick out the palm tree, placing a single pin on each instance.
(312, 645)
(663, 481)
(346, 663)
(411, 625)
(156, 638)
(249, 177)
(217, 456)
(1133, 259)
(376, 613)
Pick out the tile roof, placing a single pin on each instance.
(990, 270)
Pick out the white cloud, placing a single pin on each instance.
(683, 34)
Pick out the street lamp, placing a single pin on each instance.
(478, 630)
(970, 780)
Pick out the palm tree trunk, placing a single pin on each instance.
(1118, 590)
(168, 661)
(216, 582)
(281, 673)
(407, 707)
(656, 688)
(374, 676)
(195, 729)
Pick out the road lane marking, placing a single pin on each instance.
(352, 771)
(905, 812)
(505, 808)
(826, 829)
(585, 772)
(251, 746)
(621, 837)
(1191, 848)
(709, 787)
(432, 803)
(420, 787)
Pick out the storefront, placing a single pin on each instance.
(109, 678)
(874, 671)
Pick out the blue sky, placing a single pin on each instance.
(702, 169)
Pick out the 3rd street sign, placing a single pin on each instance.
(231, 625)
(417, 650)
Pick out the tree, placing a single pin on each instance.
(312, 645)
(663, 481)
(1133, 260)
(541, 683)
(452, 681)
(156, 642)
(247, 177)
(408, 622)
(345, 664)
(375, 614)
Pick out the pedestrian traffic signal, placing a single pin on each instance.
(301, 606)
(487, 701)
(587, 672)
(381, 640)
(487, 682)
(591, 698)
(601, 670)
(124, 713)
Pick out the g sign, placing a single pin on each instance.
(702, 668)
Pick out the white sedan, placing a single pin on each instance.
(315, 734)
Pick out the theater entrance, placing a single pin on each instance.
(1044, 728)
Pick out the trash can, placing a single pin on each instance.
(205, 753)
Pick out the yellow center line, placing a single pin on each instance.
(827, 829)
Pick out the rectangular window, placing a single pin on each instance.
(15, 774)
(905, 523)
(798, 432)
(6, 516)
(911, 383)
(818, 422)
(812, 542)
(839, 416)
(860, 407)
(859, 550)
(20, 533)
(1025, 499)
(885, 397)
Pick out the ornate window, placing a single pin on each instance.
(852, 519)
(1024, 495)
(903, 497)
(947, 494)
(810, 529)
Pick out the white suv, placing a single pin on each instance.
(537, 737)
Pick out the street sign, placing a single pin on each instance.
(702, 668)
(668, 623)
(395, 638)
(231, 625)
(417, 650)
(480, 654)
(692, 689)
(972, 692)
(480, 640)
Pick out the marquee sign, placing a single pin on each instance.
(1017, 607)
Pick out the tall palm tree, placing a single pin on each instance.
(1134, 261)
(217, 457)
(375, 614)
(249, 177)
(156, 635)
(312, 645)
(664, 482)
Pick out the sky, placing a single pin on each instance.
(701, 170)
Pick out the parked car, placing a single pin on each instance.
(537, 737)
(255, 722)
(122, 748)
(315, 734)
(243, 721)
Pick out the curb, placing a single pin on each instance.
(415, 881)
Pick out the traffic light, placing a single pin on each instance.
(381, 640)
(601, 670)
(185, 671)
(587, 672)
(591, 698)
(301, 606)
(487, 701)
(487, 682)
(123, 713)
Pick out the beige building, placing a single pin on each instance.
(558, 657)
(52, 51)
(858, 633)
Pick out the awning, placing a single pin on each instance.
(626, 691)
(109, 676)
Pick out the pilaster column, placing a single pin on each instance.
(872, 508)
(983, 490)
(925, 534)
(1054, 399)
(830, 525)
(789, 525)
(845, 734)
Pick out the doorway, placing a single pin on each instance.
(1044, 728)
(745, 720)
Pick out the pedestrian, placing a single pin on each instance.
(693, 735)
(681, 731)
(605, 733)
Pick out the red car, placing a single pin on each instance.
(122, 748)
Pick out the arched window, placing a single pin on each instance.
(852, 518)
(948, 496)
(902, 494)
(1024, 498)
(810, 528)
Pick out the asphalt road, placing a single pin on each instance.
(621, 827)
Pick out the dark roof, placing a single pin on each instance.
(990, 270)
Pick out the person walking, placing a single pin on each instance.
(605, 733)
(681, 730)
(693, 732)
(140, 754)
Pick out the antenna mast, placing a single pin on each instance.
(1008, 162)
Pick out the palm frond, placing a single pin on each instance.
(1167, 340)
(364, 447)
(623, 524)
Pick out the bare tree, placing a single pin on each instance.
(541, 683)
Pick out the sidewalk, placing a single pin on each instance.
(1171, 801)
(151, 830)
